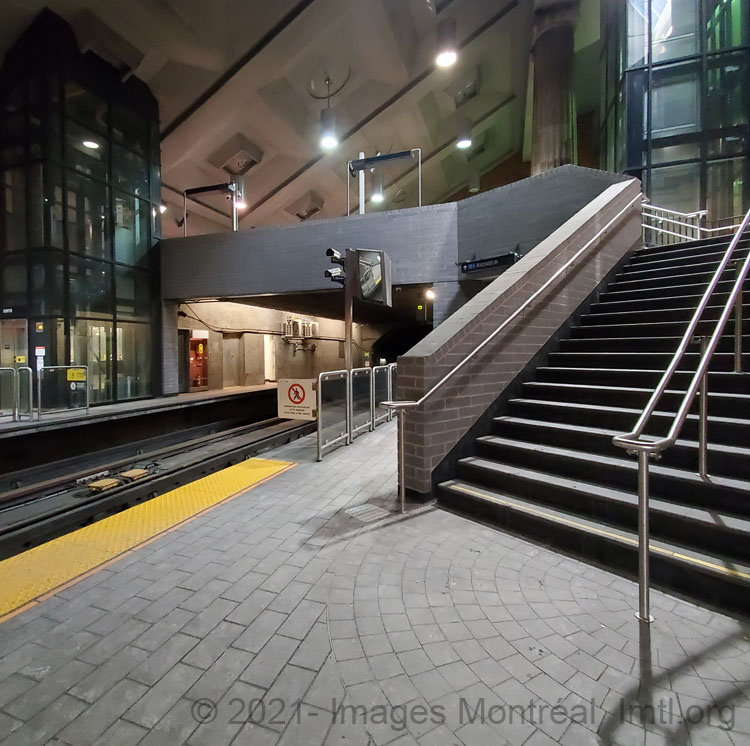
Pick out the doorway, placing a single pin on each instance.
(234, 370)
(198, 364)
(14, 353)
(183, 360)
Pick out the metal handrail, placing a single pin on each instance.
(40, 375)
(696, 214)
(402, 406)
(633, 441)
(330, 375)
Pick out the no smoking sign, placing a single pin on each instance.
(296, 399)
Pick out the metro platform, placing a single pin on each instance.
(107, 412)
(264, 613)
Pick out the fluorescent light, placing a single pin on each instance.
(377, 197)
(328, 139)
(90, 144)
(430, 294)
(241, 204)
(447, 49)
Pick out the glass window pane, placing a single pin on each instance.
(725, 187)
(726, 109)
(632, 130)
(133, 360)
(47, 296)
(86, 151)
(727, 24)
(673, 29)
(130, 129)
(130, 172)
(132, 235)
(133, 288)
(13, 210)
(90, 287)
(85, 107)
(45, 134)
(88, 208)
(637, 32)
(91, 345)
(13, 284)
(676, 187)
(12, 150)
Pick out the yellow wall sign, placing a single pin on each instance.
(20, 358)
(76, 374)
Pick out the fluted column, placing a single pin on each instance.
(554, 124)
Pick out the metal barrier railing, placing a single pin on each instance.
(10, 386)
(350, 403)
(665, 227)
(381, 391)
(361, 404)
(333, 410)
(391, 387)
(634, 441)
(72, 378)
(28, 374)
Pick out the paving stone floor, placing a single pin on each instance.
(277, 618)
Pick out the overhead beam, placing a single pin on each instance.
(246, 58)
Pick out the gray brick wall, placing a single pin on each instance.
(169, 362)
(433, 429)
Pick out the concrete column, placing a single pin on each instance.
(554, 123)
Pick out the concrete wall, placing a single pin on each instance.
(251, 322)
(434, 429)
(425, 244)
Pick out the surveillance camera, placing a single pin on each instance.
(335, 256)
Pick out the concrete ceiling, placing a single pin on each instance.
(230, 67)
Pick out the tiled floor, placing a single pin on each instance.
(277, 618)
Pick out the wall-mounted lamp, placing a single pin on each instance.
(447, 48)
(430, 294)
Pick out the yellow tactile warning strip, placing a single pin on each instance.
(602, 532)
(36, 573)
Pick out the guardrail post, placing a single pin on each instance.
(738, 325)
(703, 417)
(401, 457)
(644, 581)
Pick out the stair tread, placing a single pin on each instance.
(628, 314)
(565, 427)
(709, 562)
(631, 389)
(622, 410)
(622, 463)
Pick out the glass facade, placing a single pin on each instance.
(79, 168)
(676, 104)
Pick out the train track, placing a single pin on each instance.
(35, 511)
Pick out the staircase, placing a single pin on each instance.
(549, 471)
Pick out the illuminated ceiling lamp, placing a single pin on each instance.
(328, 139)
(463, 133)
(447, 47)
(377, 195)
(474, 181)
(239, 194)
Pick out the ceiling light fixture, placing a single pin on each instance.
(377, 187)
(430, 294)
(463, 133)
(474, 181)
(90, 144)
(328, 139)
(447, 49)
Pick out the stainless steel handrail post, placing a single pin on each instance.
(25, 368)
(372, 399)
(738, 323)
(401, 458)
(319, 400)
(703, 418)
(644, 581)
(39, 375)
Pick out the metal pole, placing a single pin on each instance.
(39, 393)
(348, 189)
(738, 326)
(401, 457)
(703, 418)
(235, 221)
(644, 587)
(361, 188)
(419, 173)
(184, 214)
(350, 267)
(320, 409)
